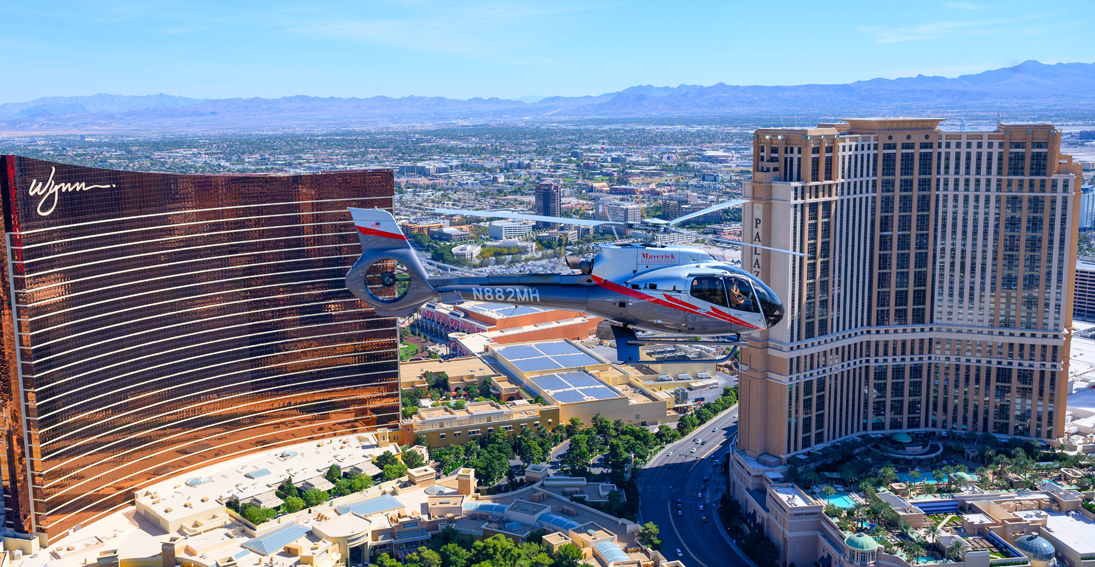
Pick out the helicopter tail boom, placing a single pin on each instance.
(388, 276)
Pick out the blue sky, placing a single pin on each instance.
(510, 48)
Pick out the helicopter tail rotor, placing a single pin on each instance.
(388, 276)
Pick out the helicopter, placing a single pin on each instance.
(674, 290)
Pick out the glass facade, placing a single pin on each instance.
(155, 323)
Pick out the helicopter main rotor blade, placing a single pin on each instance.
(744, 244)
(522, 216)
(700, 213)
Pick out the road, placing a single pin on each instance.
(680, 475)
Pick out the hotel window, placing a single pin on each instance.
(441, 436)
(473, 432)
(456, 434)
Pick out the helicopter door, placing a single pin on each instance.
(707, 289)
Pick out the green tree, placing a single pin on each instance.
(453, 555)
(649, 535)
(888, 474)
(413, 459)
(359, 482)
(955, 550)
(578, 454)
(315, 497)
(385, 560)
(828, 491)
(333, 474)
(386, 458)
(423, 557)
(257, 515)
(420, 439)
(293, 504)
(568, 555)
(392, 472)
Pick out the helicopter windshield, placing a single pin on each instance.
(740, 293)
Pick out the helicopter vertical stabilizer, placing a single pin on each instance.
(388, 275)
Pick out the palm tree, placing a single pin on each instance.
(938, 475)
(915, 475)
(955, 549)
(888, 474)
(949, 470)
(828, 491)
(936, 531)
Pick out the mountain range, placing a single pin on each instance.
(1030, 89)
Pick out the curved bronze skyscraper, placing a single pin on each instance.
(154, 323)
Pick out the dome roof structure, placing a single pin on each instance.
(1037, 547)
(863, 542)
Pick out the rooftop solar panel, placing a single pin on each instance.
(575, 360)
(559, 347)
(550, 382)
(568, 396)
(277, 539)
(580, 380)
(518, 352)
(536, 364)
(599, 392)
(371, 506)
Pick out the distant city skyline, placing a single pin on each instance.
(510, 49)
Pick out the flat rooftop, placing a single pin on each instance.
(547, 356)
(502, 310)
(792, 496)
(182, 496)
(1072, 529)
(454, 367)
(574, 387)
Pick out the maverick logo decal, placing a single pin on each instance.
(658, 258)
(50, 192)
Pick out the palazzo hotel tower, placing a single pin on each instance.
(937, 295)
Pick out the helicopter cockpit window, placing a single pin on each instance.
(740, 293)
(709, 289)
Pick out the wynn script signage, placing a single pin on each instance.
(50, 192)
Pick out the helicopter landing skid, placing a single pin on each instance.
(627, 346)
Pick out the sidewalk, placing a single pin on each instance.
(730, 542)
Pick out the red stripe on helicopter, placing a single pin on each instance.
(671, 302)
(375, 232)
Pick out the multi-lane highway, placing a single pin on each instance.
(694, 479)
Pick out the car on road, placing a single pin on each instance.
(680, 513)
(701, 507)
(693, 450)
(678, 501)
(715, 430)
(669, 454)
(704, 519)
(679, 554)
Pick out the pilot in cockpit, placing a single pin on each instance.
(739, 300)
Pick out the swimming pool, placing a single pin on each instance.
(841, 500)
(927, 477)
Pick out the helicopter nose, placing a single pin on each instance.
(773, 313)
